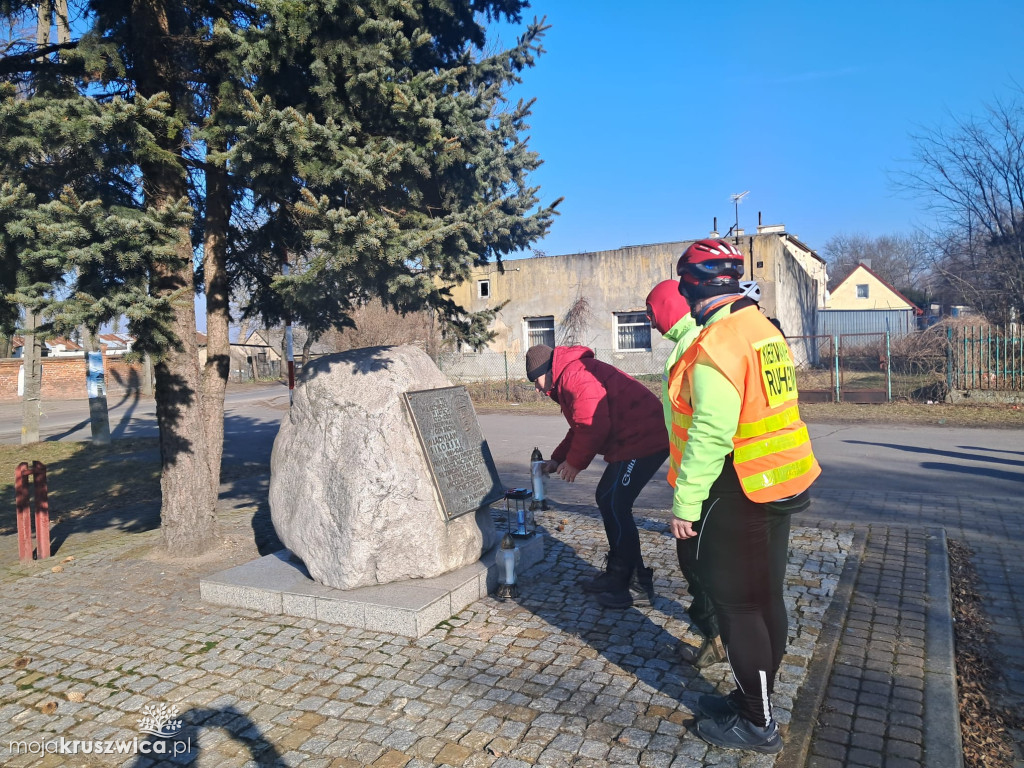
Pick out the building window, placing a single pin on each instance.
(483, 288)
(862, 291)
(540, 330)
(632, 331)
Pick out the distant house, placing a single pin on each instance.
(273, 341)
(864, 303)
(110, 344)
(259, 355)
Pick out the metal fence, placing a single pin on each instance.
(847, 367)
(986, 358)
(262, 370)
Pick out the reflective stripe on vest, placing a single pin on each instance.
(772, 423)
(777, 476)
(777, 444)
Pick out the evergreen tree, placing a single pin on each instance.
(368, 143)
(383, 158)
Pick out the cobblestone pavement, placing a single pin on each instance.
(550, 679)
(880, 694)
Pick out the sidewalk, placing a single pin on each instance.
(550, 679)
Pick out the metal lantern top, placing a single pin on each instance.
(519, 518)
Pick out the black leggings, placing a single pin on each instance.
(742, 550)
(618, 488)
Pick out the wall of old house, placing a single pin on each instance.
(792, 281)
(611, 281)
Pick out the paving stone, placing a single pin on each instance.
(548, 674)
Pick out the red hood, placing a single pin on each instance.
(667, 305)
(562, 357)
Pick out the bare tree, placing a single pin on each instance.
(972, 176)
(376, 326)
(901, 260)
(576, 321)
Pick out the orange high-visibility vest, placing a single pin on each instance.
(771, 448)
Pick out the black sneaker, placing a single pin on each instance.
(634, 594)
(738, 733)
(716, 707)
(644, 578)
(611, 579)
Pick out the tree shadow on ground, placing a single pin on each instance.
(116, 488)
(941, 452)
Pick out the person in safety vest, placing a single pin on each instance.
(670, 314)
(612, 414)
(741, 463)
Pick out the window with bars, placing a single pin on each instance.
(540, 330)
(632, 331)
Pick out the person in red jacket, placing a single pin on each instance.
(612, 414)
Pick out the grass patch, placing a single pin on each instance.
(938, 415)
(82, 478)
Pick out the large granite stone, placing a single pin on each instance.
(350, 489)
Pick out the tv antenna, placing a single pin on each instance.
(736, 200)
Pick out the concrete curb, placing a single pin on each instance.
(812, 692)
(943, 747)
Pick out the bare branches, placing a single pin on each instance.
(971, 175)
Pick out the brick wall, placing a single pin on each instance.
(64, 378)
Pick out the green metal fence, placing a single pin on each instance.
(986, 358)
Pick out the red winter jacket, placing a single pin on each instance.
(609, 412)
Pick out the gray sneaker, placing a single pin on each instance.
(738, 733)
(716, 707)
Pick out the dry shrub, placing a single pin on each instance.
(377, 326)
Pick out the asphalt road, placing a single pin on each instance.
(896, 458)
(887, 457)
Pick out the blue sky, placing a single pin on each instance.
(650, 114)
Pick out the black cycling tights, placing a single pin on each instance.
(742, 551)
(618, 488)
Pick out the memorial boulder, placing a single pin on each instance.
(379, 473)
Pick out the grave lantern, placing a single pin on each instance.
(507, 561)
(519, 518)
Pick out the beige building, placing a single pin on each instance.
(536, 295)
(863, 289)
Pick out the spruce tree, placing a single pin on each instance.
(366, 143)
(383, 157)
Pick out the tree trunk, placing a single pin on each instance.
(218, 294)
(96, 386)
(187, 514)
(243, 330)
(31, 353)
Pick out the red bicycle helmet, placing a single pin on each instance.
(709, 268)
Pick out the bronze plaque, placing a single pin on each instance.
(459, 459)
